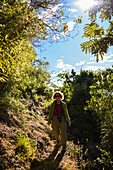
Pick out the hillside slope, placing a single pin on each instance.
(17, 135)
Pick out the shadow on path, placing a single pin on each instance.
(52, 162)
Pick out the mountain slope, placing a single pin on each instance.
(16, 137)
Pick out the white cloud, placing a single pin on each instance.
(73, 10)
(54, 74)
(49, 12)
(91, 62)
(57, 83)
(70, 25)
(62, 56)
(64, 33)
(55, 37)
(64, 67)
(92, 58)
(55, 79)
(94, 68)
(110, 61)
(85, 4)
(80, 63)
(68, 67)
(107, 59)
(60, 63)
(100, 65)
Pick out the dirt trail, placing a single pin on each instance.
(55, 158)
(48, 156)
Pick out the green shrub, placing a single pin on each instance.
(105, 159)
(78, 154)
(25, 147)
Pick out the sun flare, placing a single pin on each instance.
(86, 4)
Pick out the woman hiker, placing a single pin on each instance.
(58, 115)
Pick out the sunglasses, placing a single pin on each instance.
(57, 96)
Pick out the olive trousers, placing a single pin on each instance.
(59, 129)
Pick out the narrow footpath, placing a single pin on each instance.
(55, 158)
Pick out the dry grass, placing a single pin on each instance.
(36, 127)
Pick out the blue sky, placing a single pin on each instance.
(68, 55)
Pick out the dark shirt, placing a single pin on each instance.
(57, 110)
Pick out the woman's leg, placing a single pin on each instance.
(63, 133)
(55, 127)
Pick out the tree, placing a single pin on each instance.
(32, 21)
(100, 38)
(101, 103)
(24, 75)
(22, 25)
(83, 123)
(53, 15)
(76, 88)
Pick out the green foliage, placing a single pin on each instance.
(102, 160)
(24, 24)
(76, 90)
(83, 122)
(78, 154)
(13, 30)
(100, 38)
(90, 108)
(101, 103)
(105, 159)
(25, 147)
(25, 75)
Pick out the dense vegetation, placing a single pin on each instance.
(90, 101)
(83, 123)
(24, 25)
(89, 95)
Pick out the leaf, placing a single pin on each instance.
(6, 36)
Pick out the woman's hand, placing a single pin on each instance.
(69, 123)
(49, 123)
